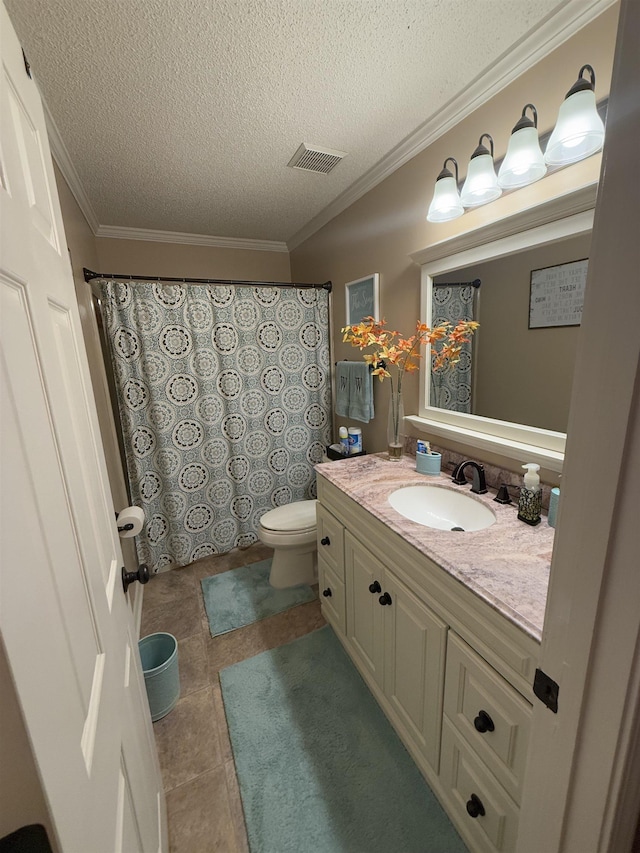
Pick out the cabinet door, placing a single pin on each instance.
(365, 614)
(488, 713)
(415, 645)
(330, 534)
(331, 597)
(483, 811)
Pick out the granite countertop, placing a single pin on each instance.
(507, 564)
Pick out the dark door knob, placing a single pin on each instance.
(375, 587)
(128, 578)
(325, 540)
(483, 722)
(385, 598)
(475, 807)
(327, 592)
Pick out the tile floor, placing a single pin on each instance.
(203, 801)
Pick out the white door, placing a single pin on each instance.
(63, 613)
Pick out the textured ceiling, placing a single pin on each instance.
(181, 115)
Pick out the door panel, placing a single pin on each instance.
(63, 613)
(415, 645)
(365, 615)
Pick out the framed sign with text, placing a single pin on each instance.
(556, 295)
(362, 299)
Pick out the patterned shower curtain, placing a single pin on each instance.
(451, 386)
(224, 402)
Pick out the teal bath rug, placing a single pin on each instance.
(241, 596)
(319, 766)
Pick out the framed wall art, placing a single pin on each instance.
(362, 299)
(556, 295)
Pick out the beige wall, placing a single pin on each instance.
(521, 375)
(141, 257)
(379, 231)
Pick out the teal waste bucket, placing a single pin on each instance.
(159, 657)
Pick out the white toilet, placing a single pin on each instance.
(291, 531)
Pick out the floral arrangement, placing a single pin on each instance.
(391, 349)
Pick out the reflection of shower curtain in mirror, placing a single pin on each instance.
(224, 402)
(451, 386)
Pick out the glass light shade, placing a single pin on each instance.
(445, 204)
(523, 163)
(579, 131)
(481, 184)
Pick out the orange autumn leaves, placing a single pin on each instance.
(392, 349)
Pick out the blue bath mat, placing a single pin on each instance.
(319, 766)
(241, 596)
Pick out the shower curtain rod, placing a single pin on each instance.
(89, 275)
(475, 283)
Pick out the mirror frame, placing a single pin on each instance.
(558, 219)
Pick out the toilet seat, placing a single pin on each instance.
(297, 517)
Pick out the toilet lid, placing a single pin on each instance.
(300, 515)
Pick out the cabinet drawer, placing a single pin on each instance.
(330, 541)
(488, 713)
(332, 596)
(467, 781)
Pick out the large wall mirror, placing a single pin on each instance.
(514, 394)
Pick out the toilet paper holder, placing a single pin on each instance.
(129, 521)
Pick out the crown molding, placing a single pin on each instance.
(573, 16)
(148, 234)
(61, 156)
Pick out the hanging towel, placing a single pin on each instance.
(360, 392)
(342, 389)
(354, 391)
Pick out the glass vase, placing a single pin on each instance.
(395, 427)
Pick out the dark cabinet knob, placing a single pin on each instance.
(385, 598)
(375, 587)
(475, 807)
(483, 722)
(142, 575)
(325, 540)
(327, 592)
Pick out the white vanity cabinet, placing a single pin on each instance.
(451, 673)
(330, 536)
(399, 643)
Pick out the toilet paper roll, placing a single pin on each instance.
(130, 521)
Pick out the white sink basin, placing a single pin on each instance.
(442, 508)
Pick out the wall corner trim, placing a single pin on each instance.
(151, 235)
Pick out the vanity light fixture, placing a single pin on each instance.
(579, 131)
(481, 184)
(523, 163)
(446, 204)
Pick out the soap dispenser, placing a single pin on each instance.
(530, 503)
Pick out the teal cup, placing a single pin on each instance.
(428, 463)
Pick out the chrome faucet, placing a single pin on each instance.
(479, 485)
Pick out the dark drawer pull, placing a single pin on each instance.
(375, 587)
(385, 598)
(325, 540)
(327, 592)
(483, 722)
(475, 807)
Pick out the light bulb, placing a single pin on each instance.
(579, 130)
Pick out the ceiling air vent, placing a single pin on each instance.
(315, 159)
